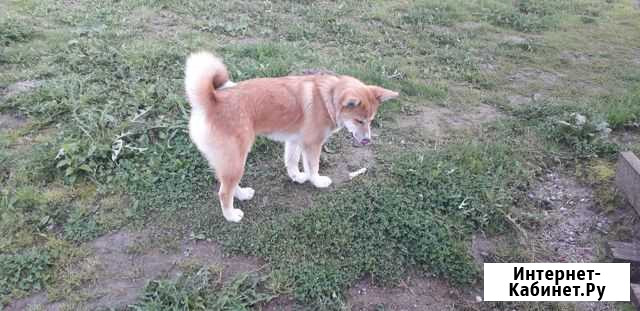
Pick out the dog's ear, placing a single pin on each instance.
(383, 94)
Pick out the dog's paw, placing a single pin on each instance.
(299, 177)
(321, 181)
(243, 194)
(232, 214)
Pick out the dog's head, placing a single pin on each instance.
(357, 105)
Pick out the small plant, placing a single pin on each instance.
(24, 272)
(623, 112)
(81, 226)
(78, 160)
(585, 132)
(13, 31)
(504, 15)
(428, 12)
(203, 290)
(587, 136)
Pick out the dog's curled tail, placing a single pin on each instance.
(204, 73)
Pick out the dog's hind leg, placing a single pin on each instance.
(229, 174)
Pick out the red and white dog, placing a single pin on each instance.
(301, 111)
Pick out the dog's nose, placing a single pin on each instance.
(365, 141)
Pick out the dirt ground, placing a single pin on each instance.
(572, 227)
(121, 265)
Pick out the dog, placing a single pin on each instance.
(301, 111)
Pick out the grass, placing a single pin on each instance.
(14, 31)
(584, 133)
(106, 146)
(622, 111)
(201, 290)
(25, 272)
(423, 215)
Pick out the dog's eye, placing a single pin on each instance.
(360, 121)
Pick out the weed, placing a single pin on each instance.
(600, 175)
(203, 290)
(81, 226)
(14, 31)
(539, 15)
(584, 132)
(504, 15)
(260, 60)
(428, 12)
(622, 111)
(24, 272)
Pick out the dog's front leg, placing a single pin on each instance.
(311, 163)
(292, 151)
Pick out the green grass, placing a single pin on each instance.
(584, 127)
(202, 290)
(106, 144)
(584, 133)
(422, 214)
(25, 272)
(622, 111)
(14, 31)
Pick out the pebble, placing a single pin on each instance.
(537, 97)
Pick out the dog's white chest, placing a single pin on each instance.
(283, 137)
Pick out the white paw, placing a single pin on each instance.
(299, 177)
(243, 194)
(233, 214)
(321, 181)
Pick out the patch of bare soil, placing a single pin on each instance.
(19, 87)
(442, 121)
(348, 157)
(121, 271)
(529, 76)
(635, 54)
(573, 225)
(629, 139)
(414, 293)
(11, 122)
(470, 25)
(282, 303)
(574, 57)
(538, 81)
(482, 249)
(161, 23)
(515, 40)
